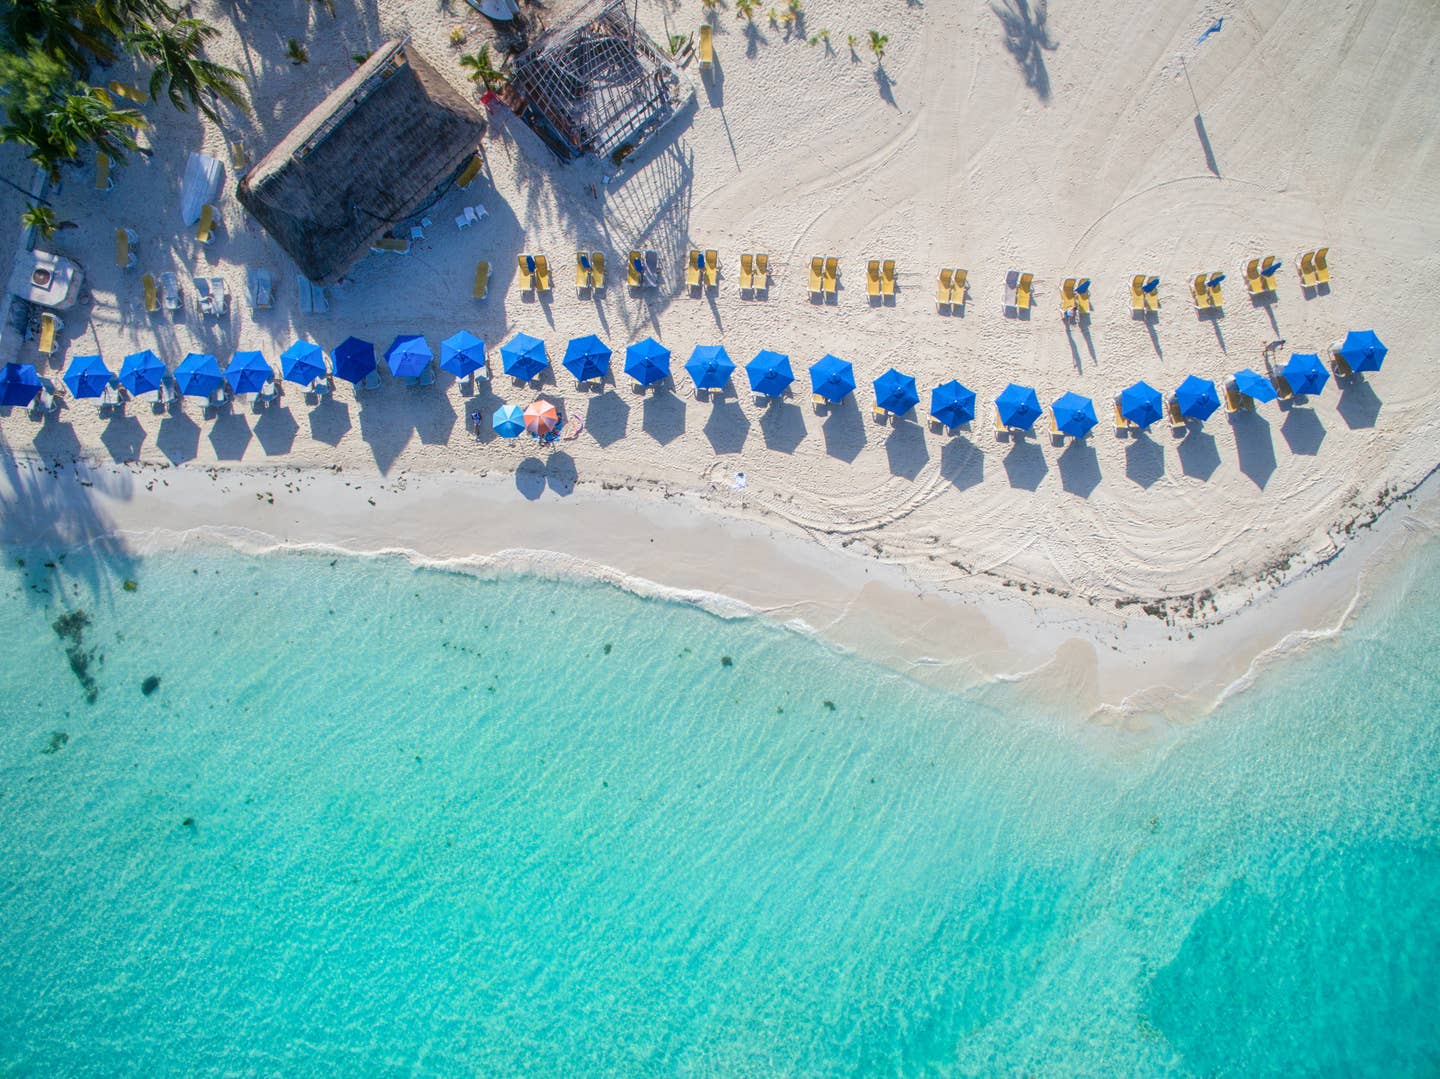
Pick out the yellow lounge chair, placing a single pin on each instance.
(747, 271)
(1305, 266)
(1121, 423)
(1152, 294)
(1235, 400)
(957, 289)
(1253, 281)
(943, 289)
(1200, 289)
(1283, 389)
(124, 257)
(205, 230)
(152, 301)
(542, 273)
(692, 269)
(597, 269)
(1273, 263)
(394, 245)
(1023, 290)
(707, 46)
(582, 270)
(1322, 266)
(761, 280)
(832, 274)
(49, 327)
(1137, 295)
(526, 275)
(817, 272)
(1172, 412)
(872, 277)
(1082, 296)
(1217, 291)
(103, 182)
(712, 268)
(634, 270)
(482, 280)
(1067, 295)
(470, 172)
(887, 277)
(125, 90)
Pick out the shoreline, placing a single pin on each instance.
(1134, 665)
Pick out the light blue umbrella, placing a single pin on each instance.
(587, 358)
(508, 421)
(524, 356)
(647, 361)
(353, 360)
(1197, 397)
(19, 384)
(832, 378)
(247, 372)
(408, 356)
(1255, 385)
(1141, 404)
(1362, 351)
(87, 376)
(1018, 407)
(952, 403)
(462, 354)
(1074, 415)
(710, 367)
(198, 375)
(1305, 373)
(896, 393)
(141, 372)
(769, 373)
(302, 363)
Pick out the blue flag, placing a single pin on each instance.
(1214, 29)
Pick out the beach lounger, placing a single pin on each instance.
(582, 270)
(887, 278)
(239, 159)
(542, 273)
(1151, 291)
(525, 264)
(372, 381)
(817, 274)
(712, 268)
(216, 400)
(313, 300)
(110, 397)
(270, 392)
(1338, 366)
(1217, 294)
(1023, 292)
(957, 289)
(880, 414)
(747, 271)
(692, 269)
(482, 280)
(170, 290)
(832, 274)
(470, 172)
(204, 302)
(391, 244)
(1121, 423)
(944, 287)
(1305, 266)
(761, 280)
(103, 180)
(707, 45)
(1082, 296)
(1253, 281)
(1067, 296)
(1268, 269)
(220, 291)
(427, 376)
(634, 270)
(1012, 289)
(465, 218)
(46, 401)
(1002, 429)
(1322, 266)
(1174, 415)
(260, 289)
(597, 270)
(50, 328)
(1200, 289)
(124, 257)
(1234, 400)
(1283, 389)
(152, 300)
(129, 92)
(205, 230)
(872, 278)
(1137, 293)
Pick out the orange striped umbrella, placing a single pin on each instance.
(541, 418)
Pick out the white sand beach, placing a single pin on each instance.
(992, 138)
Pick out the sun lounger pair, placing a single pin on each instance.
(471, 215)
(1075, 296)
(707, 45)
(704, 268)
(212, 296)
(589, 270)
(1206, 289)
(534, 273)
(124, 257)
(880, 278)
(1018, 290)
(824, 275)
(754, 272)
(1144, 293)
(205, 230)
(1260, 275)
(260, 289)
(950, 290)
(1314, 268)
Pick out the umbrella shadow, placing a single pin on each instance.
(1359, 406)
(1025, 465)
(178, 437)
(663, 417)
(1144, 460)
(727, 426)
(230, 436)
(606, 417)
(906, 450)
(56, 441)
(962, 463)
(329, 421)
(275, 430)
(560, 473)
(783, 426)
(123, 436)
(1199, 455)
(1254, 447)
(530, 478)
(843, 429)
(1303, 432)
(1079, 468)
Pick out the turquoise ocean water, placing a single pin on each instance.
(374, 819)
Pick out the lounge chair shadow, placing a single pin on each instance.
(1215, 317)
(1084, 323)
(530, 478)
(122, 438)
(1254, 447)
(329, 420)
(178, 437)
(1359, 406)
(727, 426)
(1303, 432)
(1154, 338)
(843, 430)
(560, 473)
(713, 81)
(962, 463)
(1079, 468)
(905, 449)
(230, 436)
(782, 425)
(663, 417)
(1144, 460)
(275, 430)
(1025, 465)
(607, 417)
(1074, 351)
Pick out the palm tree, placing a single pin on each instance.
(121, 15)
(32, 85)
(482, 70)
(180, 69)
(878, 41)
(71, 30)
(43, 220)
(92, 118)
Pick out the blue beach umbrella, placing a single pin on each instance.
(462, 354)
(769, 373)
(408, 356)
(1074, 415)
(198, 375)
(1270, 269)
(710, 367)
(832, 378)
(1197, 397)
(1305, 373)
(87, 376)
(896, 393)
(302, 363)
(247, 372)
(587, 358)
(19, 384)
(1255, 385)
(1362, 350)
(1018, 407)
(353, 359)
(647, 361)
(141, 372)
(508, 421)
(524, 356)
(952, 404)
(1141, 404)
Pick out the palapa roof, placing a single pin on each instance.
(365, 159)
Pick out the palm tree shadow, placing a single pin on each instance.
(1028, 40)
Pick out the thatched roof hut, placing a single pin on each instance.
(376, 151)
